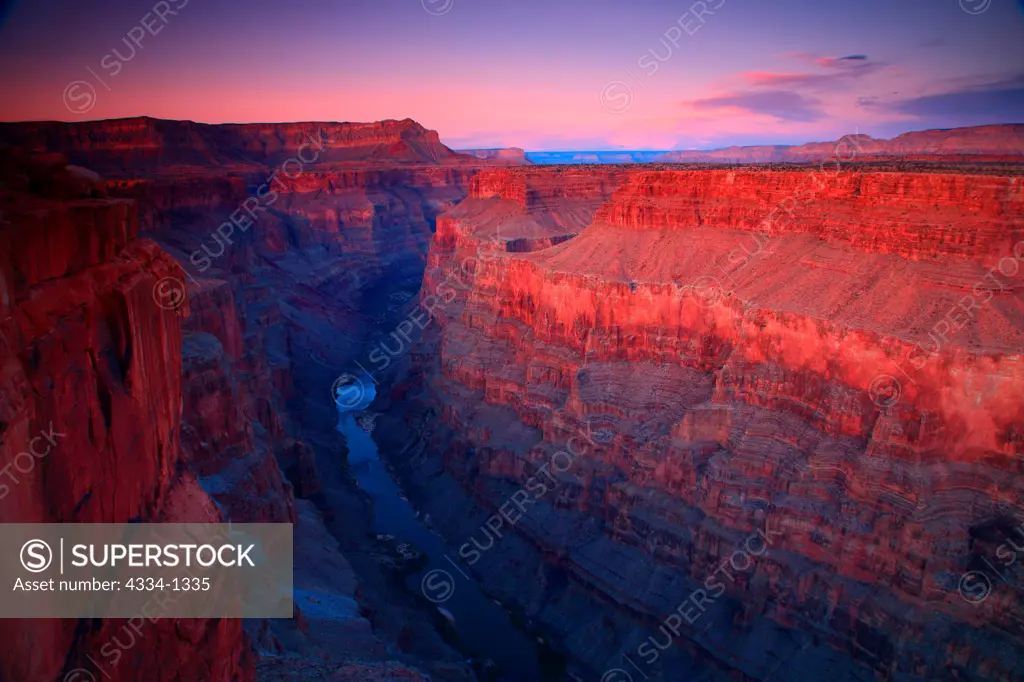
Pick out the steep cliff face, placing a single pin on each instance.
(918, 216)
(830, 360)
(280, 261)
(532, 209)
(350, 226)
(91, 363)
(132, 145)
(246, 324)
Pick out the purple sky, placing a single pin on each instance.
(538, 74)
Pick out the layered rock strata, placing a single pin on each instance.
(829, 360)
(251, 326)
(133, 145)
(91, 362)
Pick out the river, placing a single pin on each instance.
(485, 628)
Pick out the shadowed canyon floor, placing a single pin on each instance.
(679, 421)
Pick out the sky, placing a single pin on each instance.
(536, 74)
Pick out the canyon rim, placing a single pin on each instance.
(556, 368)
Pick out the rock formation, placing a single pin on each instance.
(827, 361)
(92, 360)
(816, 372)
(187, 355)
(134, 145)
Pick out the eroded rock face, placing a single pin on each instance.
(91, 361)
(918, 216)
(133, 145)
(236, 340)
(730, 353)
(717, 355)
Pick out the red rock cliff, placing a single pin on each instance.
(90, 357)
(275, 308)
(832, 359)
(132, 145)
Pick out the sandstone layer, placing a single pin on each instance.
(202, 353)
(90, 360)
(134, 145)
(829, 360)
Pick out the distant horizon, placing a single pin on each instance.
(526, 150)
(534, 74)
(726, 145)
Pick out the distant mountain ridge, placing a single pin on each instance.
(594, 156)
(510, 154)
(993, 140)
(141, 143)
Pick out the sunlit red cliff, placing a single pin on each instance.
(757, 350)
(788, 349)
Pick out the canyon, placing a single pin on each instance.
(185, 356)
(826, 360)
(697, 357)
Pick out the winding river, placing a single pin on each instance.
(484, 628)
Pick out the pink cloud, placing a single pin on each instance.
(773, 77)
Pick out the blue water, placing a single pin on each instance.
(602, 156)
(484, 627)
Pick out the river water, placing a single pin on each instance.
(484, 628)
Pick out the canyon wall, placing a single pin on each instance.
(143, 303)
(827, 361)
(283, 300)
(91, 363)
(133, 145)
